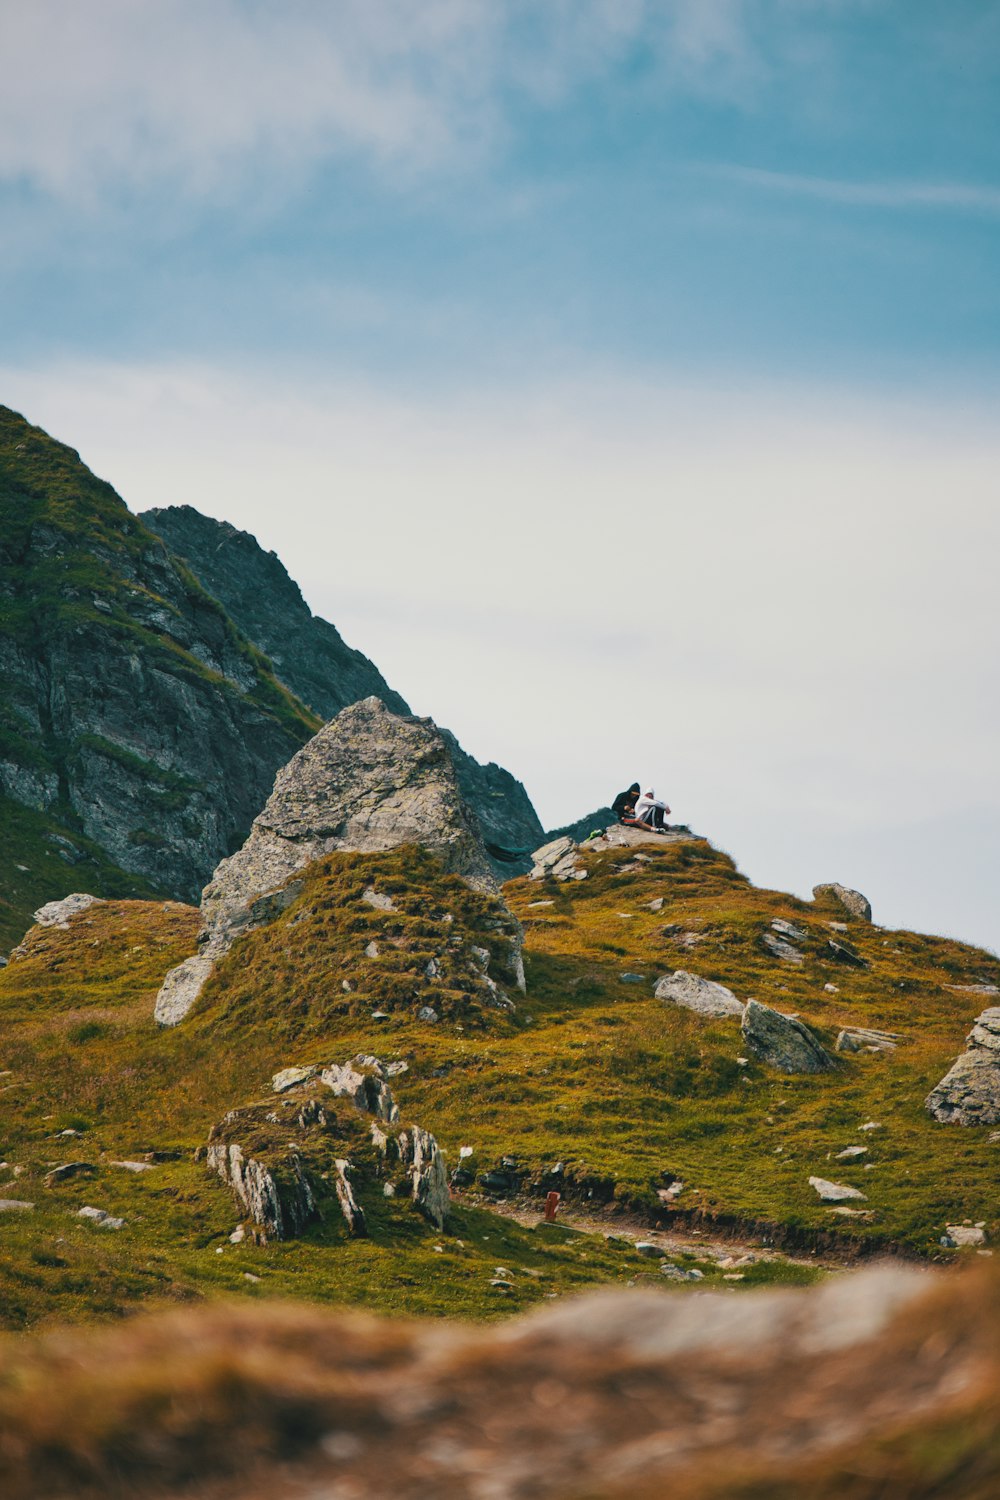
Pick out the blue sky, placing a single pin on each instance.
(640, 354)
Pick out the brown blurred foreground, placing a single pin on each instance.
(885, 1383)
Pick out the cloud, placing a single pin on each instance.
(962, 197)
(201, 93)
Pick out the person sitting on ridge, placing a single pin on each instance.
(650, 812)
(623, 806)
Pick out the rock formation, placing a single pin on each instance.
(281, 1159)
(311, 658)
(370, 780)
(969, 1093)
(850, 901)
(701, 995)
(781, 1041)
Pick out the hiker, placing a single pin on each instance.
(651, 812)
(623, 806)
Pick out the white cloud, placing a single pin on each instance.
(968, 197)
(123, 93)
(779, 605)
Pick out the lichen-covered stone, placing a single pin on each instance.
(694, 993)
(782, 1041)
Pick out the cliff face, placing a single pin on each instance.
(267, 606)
(313, 661)
(131, 707)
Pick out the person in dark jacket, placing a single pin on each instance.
(624, 804)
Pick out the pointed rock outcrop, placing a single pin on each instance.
(369, 781)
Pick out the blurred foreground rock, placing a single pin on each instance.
(879, 1383)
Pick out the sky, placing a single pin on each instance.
(620, 375)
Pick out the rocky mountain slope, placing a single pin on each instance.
(267, 606)
(141, 722)
(132, 710)
(312, 660)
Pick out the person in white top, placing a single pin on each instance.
(650, 811)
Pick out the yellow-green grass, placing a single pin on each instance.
(79, 1051)
(592, 1071)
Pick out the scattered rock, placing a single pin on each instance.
(778, 948)
(99, 1217)
(649, 1249)
(559, 860)
(655, 905)
(966, 1234)
(694, 993)
(632, 978)
(852, 901)
(58, 913)
(831, 989)
(969, 1093)
(371, 949)
(789, 931)
(69, 1169)
(781, 1041)
(428, 1014)
(14, 1205)
(851, 1151)
(290, 1078)
(133, 1166)
(863, 1039)
(870, 1125)
(377, 899)
(842, 954)
(181, 988)
(834, 1192)
(366, 1091)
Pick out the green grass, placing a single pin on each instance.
(592, 1072)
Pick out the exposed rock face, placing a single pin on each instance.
(267, 606)
(129, 699)
(368, 781)
(852, 901)
(781, 1041)
(701, 995)
(255, 1152)
(312, 659)
(969, 1093)
(281, 1159)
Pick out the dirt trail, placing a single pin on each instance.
(674, 1241)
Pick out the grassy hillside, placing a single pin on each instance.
(592, 1071)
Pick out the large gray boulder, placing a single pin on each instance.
(370, 780)
(852, 902)
(694, 993)
(969, 1093)
(781, 1041)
